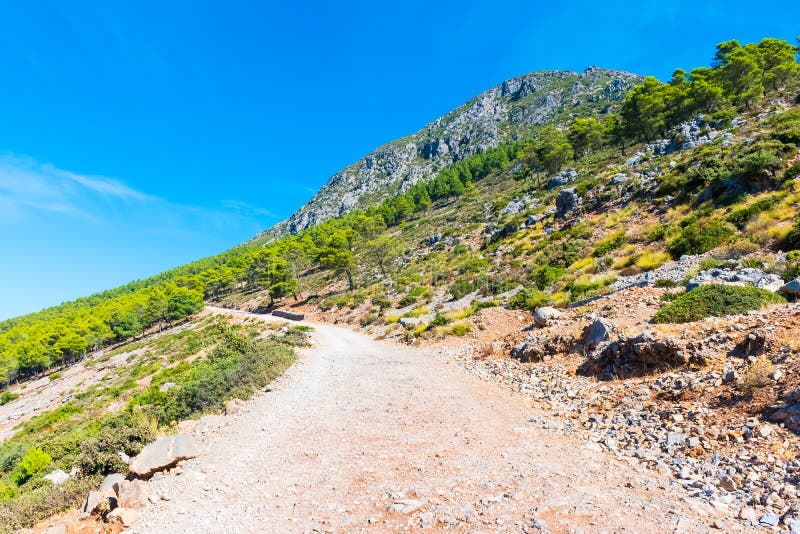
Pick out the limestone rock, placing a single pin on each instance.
(163, 454)
(567, 203)
(123, 516)
(737, 277)
(546, 315)
(57, 477)
(597, 332)
(792, 289)
(133, 493)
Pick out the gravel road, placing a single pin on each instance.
(362, 435)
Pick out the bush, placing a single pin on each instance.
(792, 240)
(612, 242)
(666, 283)
(700, 236)
(7, 397)
(34, 461)
(235, 368)
(742, 216)
(126, 432)
(651, 259)
(381, 302)
(529, 299)
(439, 320)
(756, 376)
(792, 270)
(547, 275)
(459, 329)
(715, 300)
(461, 288)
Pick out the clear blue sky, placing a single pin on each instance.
(139, 135)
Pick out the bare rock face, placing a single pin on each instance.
(758, 342)
(567, 203)
(511, 109)
(597, 332)
(641, 354)
(164, 453)
(57, 477)
(123, 516)
(537, 348)
(133, 493)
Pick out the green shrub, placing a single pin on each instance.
(665, 283)
(792, 240)
(459, 329)
(742, 216)
(439, 320)
(612, 242)
(792, 269)
(381, 302)
(7, 397)
(700, 236)
(235, 368)
(529, 299)
(34, 461)
(546, 275)
(787, 127)
(54, 376)
(125, 432)
(715, 300)
(461, 288)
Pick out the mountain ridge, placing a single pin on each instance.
(505, 111)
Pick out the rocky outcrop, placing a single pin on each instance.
(599, 331)
(508, 110)
(164, 453)
(792, 289)
(567, 203)
(738, 277)
(562, 178)
(643, 353)
(539, 347)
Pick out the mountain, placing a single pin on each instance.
(507, 111)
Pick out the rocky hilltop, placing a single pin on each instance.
(504, 112)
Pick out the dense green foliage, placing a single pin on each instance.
(83, 434)
(715, 300)
(697, 237)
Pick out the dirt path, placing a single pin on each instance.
(362, 435)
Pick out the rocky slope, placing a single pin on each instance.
(503, 112)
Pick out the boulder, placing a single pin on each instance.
(562, 178)
(792, 289)
(164, 453)
(538, 347)
(99, 503)
(546, 315)
(123, 516)
(112, 483)
(597, 332)
(567, 203)
(166, 386)
(620, 178)
(234, 406)
(57, 477)
(133, 493)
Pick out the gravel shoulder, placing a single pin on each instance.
(366, 435)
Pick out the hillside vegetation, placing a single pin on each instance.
(738, 191)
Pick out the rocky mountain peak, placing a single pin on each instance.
(509, 110)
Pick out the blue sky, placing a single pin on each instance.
(138, 135)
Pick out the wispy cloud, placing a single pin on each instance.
(27, 185)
